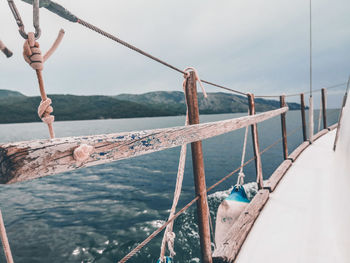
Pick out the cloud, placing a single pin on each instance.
(254, 45)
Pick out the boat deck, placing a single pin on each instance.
(297, 223)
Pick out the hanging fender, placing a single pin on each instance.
(229, 211)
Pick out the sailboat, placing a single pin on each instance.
(298, 211)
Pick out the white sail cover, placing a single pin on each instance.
(307, 218)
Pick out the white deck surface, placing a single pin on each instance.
(303, 220)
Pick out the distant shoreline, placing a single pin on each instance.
(18, 108)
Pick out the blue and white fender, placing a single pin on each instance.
(228, 212)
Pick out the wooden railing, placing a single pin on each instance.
(33, 159)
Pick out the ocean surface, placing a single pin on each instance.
(99, 214)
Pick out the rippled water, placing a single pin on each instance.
(99, 214)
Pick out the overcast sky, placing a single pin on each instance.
(250, 45)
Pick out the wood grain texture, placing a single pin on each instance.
(33, 159)
(295, 154)
(277, 175)
(320, 134)
(198, 172)
(229, 248)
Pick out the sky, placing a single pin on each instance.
(249, 45)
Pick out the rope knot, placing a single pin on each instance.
(32, 53)
(44, 111)
(187, 75)
(82, 153)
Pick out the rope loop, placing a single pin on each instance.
(32, 53)
(187, 75)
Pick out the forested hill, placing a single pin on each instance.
(16, 107)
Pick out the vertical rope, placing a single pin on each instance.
(4, 240)
(169, 236)
(240, 179)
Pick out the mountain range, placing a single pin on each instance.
(16, 107)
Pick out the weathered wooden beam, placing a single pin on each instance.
(254, 128)
(295, 154)
(324, 108)
(277, 175)
(284, 128)
(303, 118)
(228, 249)
(33, 159)
(320, 134)
(198, 171)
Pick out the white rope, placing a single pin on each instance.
(169, 235)
(197, 79)
(240, 179)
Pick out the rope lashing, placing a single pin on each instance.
(33, 56)
(82, 153)
(187, 75)
(4, 240)
(5, 50)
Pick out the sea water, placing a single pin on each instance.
(98, 214)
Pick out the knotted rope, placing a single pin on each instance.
(187, 75)
(33, 56)
(169, 235)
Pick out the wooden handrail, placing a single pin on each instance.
(33, 159)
